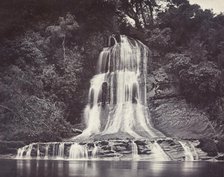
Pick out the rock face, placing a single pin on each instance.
(170, 112)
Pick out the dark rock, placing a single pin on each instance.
(103, 143)
(220, 157)
(220, 146)
(209, 146)
(119, 148)
(141, 142)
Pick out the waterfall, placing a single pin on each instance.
(94, 151)
(189, 156)
(134, 149)
(158, 152)
(117, 94)
(196, 156)
(61, 150)
(46, 151)
(20, 152)
(78, 151)
(28, 151)
(53, 149)
(24, 151)
(117, 105)
(38, 151)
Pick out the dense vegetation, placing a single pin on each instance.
(49, 50)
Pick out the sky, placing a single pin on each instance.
(216, 5)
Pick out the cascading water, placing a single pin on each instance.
(20, 152)
(61, 150)
(38, 151)
(95, 151)
(78, 152)
(117, 95)
(134, 148)
(159, 154)
(189, 151)
(46, 151)
(29, 150)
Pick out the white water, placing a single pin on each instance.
(117, 94)
(189, 156)
(20, 152)
(61, 150)
(158, 153)
(29, 150)
(38, 151)
(78, 152)
(25, 152)
(94, 151)
(46, 151)
(134, 148)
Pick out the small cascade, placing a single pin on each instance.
(189, 156)
(38, 151)
(25, 152)
(61, 150)
(158, 153)
(28, 151)
(78, 151)
(95, 151)
(134, 149)
(157, 150)
(46, 151)
(53, 149)
(196, 156)
(20, 152)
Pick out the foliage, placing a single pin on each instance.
(39, 79)
(200, 83)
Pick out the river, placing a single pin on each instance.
(57, 168)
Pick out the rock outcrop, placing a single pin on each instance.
(170, 112)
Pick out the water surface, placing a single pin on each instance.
(56, 168)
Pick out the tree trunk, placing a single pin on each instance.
(151, 11)
(138, 24)
(142, 12)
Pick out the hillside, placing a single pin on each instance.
(49, 51)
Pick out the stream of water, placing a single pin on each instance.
(49, 168)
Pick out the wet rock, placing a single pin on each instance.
(102, 143)
(141, 142)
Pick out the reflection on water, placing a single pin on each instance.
(55, 168)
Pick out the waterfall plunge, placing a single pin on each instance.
(117, 95)
(78, 152)
(134, 148)
(189, 151)
(158, 152)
